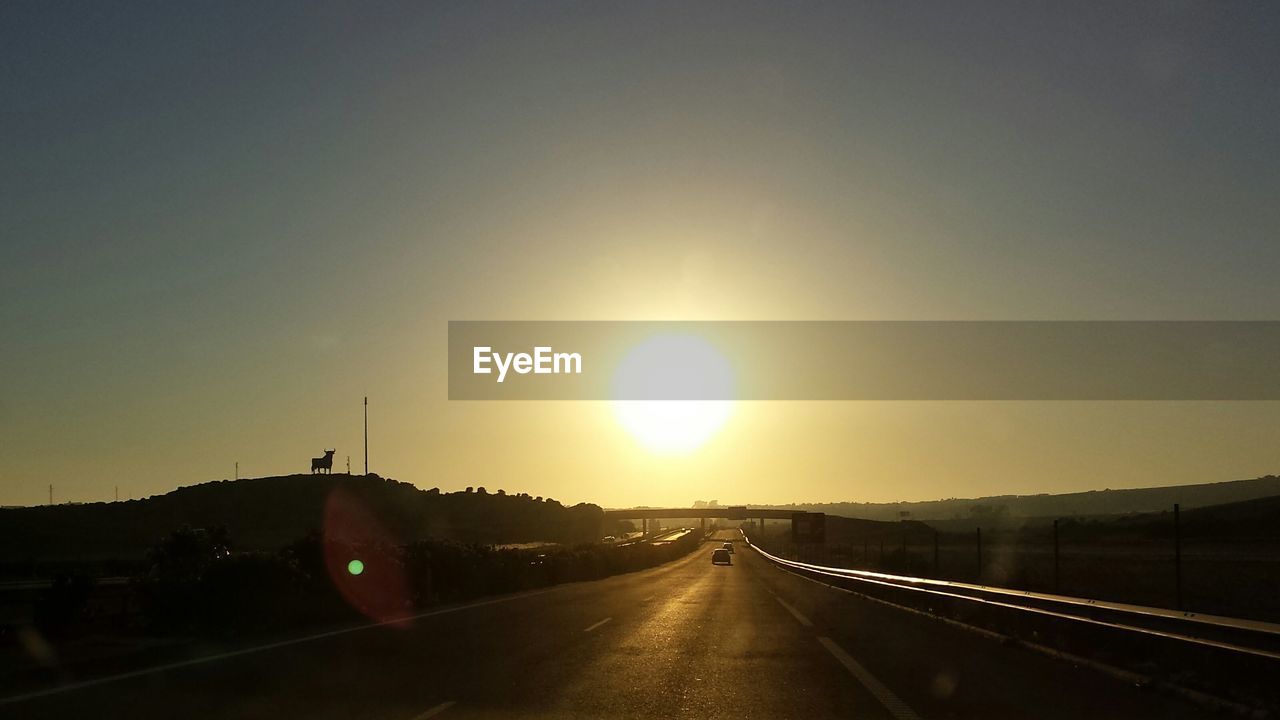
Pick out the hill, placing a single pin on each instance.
(267, 513)
(993, 509)
(1257, 519)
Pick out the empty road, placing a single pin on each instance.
(687, 639)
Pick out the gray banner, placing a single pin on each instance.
(865, 360)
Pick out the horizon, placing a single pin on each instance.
(689, 504)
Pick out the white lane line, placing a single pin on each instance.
(593, 627)
(803, 620)
(435, 710)
(891, 702)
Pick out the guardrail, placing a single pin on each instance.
(1237, 635)
(46, 583)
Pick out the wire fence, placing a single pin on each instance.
(1224, 572)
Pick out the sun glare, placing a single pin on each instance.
(682, 366)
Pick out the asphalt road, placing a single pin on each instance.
(684, 640)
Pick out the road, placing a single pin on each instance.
(687, 639)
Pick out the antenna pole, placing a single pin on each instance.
(366, 434)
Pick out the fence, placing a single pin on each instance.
(1215, 569)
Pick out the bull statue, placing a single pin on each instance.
(323, 463)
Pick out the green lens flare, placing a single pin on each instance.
(355, 567)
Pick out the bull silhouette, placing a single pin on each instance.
(323, 463)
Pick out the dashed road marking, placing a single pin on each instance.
(593, 627)
(891, 702)
(798, 615)
(435, 710)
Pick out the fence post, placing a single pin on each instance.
(905, 565)
(937, 568)
(979, 553)
(1177, 555)
(1056, 560)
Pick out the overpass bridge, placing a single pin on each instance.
(806, 520)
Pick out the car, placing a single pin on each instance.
(729, 546)
(720, 556)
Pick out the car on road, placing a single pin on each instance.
(728, 546)
(720, 556)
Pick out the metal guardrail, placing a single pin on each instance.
(1252, 637)
(46, 583)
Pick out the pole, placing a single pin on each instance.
(366, 434)
(237, 469)
(1177, 554)
(1057, 560)
(50, 493)
(979, 553)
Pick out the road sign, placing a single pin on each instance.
(807, 527)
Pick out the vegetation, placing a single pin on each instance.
(196, 584)
(269, 513)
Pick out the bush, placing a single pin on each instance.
(196, 584)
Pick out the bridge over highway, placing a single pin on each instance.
(732, 512)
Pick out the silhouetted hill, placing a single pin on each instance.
(1257, 519)
(267, 513)
(850, 531)
(993, 509)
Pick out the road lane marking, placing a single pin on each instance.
(435, 710)
(891, 702)
(593, 627)
(803, 620)
(1127, 676)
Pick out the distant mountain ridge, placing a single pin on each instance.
(1082, 504)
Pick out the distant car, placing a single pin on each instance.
(608, 539)
(720, 556)
(728, 546)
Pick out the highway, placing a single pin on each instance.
(687, 639)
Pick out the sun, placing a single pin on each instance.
(673, 366)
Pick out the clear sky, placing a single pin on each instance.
(222, 224)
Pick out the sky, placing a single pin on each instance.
(224, 224)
